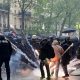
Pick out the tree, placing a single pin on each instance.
(24, 6)
(43, 15)
(8, 19)
(55, 14)
(69, 10)
(5, 5)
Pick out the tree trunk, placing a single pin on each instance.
(22, 26)
(79, 34)
(22, 15)
(69, 19)
(63, 23)
(8, 24)
(8, 17)
(56, 28)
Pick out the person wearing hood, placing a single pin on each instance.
(45, 54)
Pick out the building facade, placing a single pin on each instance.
(15, 20)
(14, 17)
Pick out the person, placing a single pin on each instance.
(66, 57)
(78, 52)
(5, 54)
(15, 62)
(58, 50)
(46, 52)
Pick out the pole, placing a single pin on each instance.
(8, 18)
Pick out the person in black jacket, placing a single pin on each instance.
(46, 52)
(5, 54)
(66, 57)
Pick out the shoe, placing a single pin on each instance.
(48, 78)
(42, 77)
(52, 73)
(65, 76)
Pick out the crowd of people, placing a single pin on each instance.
(5, 54)
(53, 54)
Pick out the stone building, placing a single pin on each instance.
(15, 15)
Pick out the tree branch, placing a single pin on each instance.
(28, 5)
(63, 23)
(20, 3)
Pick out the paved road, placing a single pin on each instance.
(35, 74)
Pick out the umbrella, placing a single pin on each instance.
(68, 30)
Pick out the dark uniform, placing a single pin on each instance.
(66, 57)
(46, 52)
(5, 54)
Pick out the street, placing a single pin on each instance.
(28, 74)
(33, 77)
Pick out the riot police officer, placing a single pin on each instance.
(5, 54)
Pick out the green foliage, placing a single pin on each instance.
(57, 13)
(43, 13)
(50, 14)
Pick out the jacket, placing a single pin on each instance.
(46, 51)
(5, 49)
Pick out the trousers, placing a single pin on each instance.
(65, 69)
(7, 68)
(43, 63)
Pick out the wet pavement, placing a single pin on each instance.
(32, 77)
(28, 74)
(35, 75)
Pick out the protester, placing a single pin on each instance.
(5, 54)
(15, 62)
(66, 57)
(46, 53)
(58, 50)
